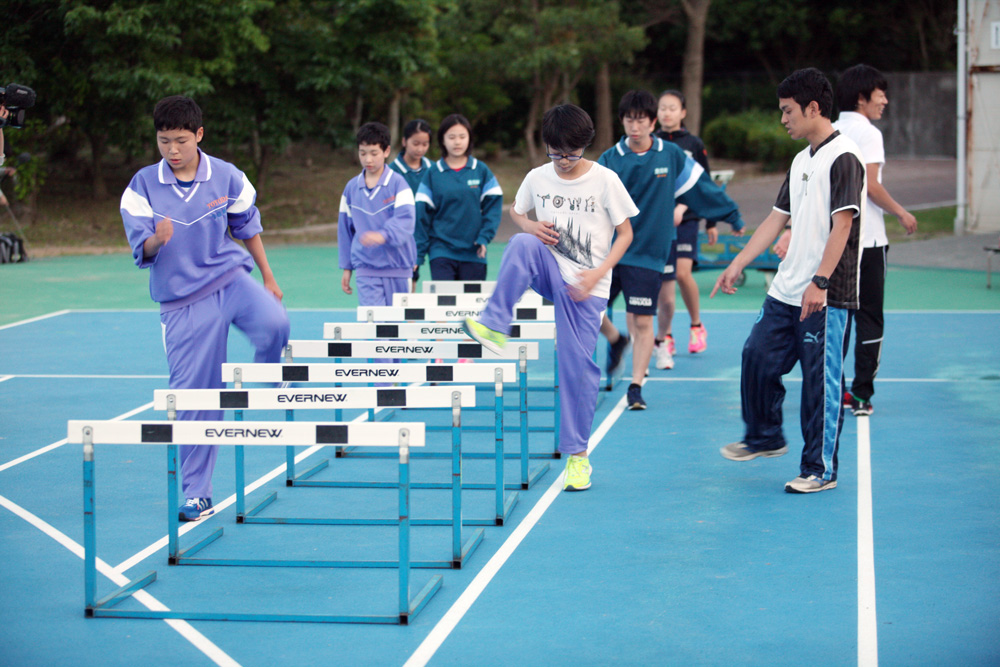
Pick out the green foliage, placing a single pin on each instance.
(21, 145)
(752, 136)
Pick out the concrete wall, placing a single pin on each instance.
(920, 120)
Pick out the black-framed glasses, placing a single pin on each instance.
(563, 156)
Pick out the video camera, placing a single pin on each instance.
(16, 98)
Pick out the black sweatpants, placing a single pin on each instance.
(869, 321)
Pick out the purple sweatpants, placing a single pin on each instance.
(378, 290)
(528, 263)
(195, 338)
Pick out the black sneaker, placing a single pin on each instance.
(616, 352)
(860, 407)
(634, 398)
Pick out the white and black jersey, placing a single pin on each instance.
(819, 184)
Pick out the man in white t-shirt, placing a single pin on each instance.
(804, 316)
(861, 95)
(565, 254)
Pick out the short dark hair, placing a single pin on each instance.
(808, 85)
(176, 113)
(859, 81)
(567, 127)
(450, 122)
(637, 103)
(374, 134)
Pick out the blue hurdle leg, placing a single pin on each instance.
(89, 531)
(523, 410)
(173, 521)
(404, 527)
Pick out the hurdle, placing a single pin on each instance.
(428, 350)
(448, 314)
(323, 373)
(537, 331)
(454, 397)
(157, 433)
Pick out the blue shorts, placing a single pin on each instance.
(640, 286)
(684, 245)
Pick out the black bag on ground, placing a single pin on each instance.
(12, 249)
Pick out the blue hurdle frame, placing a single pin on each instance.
(105, 607)
(460, 552)
(504, 504)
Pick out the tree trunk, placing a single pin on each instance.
(394, 105)
(359, 109)
(531, 123)
(693, 72)
(604, 120)
(98, 149)
(263, 169)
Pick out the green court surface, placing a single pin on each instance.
(309, 277)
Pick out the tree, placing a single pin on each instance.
(550, 46)
(114, 60)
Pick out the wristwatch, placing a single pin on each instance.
(821, 282)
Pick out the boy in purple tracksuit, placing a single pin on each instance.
(375, 227)
(566, 254)
(181, 216)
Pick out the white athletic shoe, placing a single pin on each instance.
(664, 360)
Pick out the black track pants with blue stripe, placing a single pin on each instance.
(779, 340)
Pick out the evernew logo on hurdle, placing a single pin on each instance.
(366, 372)
(403, 349)
(312, 398)
(243, 432)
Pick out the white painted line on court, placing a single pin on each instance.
(799, 379)
(444, 627)
(198, 640)
(59, 443)
(187, 527)
(34, 319)
(867, 622)
(87, 376)
(4, 378)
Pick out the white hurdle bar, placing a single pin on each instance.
(498, 374)
(458, 286)
(99, 432)
(530, 299)
(453, 397)
(448, 314)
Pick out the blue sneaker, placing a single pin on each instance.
(195, 509)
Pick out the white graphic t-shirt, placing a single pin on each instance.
(585, 212)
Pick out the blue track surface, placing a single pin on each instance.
(674, 557)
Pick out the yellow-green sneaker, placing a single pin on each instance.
(488, 338)
(577, 473)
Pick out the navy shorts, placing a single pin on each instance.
(640, 286)
(443, 268)
(684, 245)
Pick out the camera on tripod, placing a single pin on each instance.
(16, 98)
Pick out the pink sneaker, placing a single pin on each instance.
(669, 340)
(699, 339)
